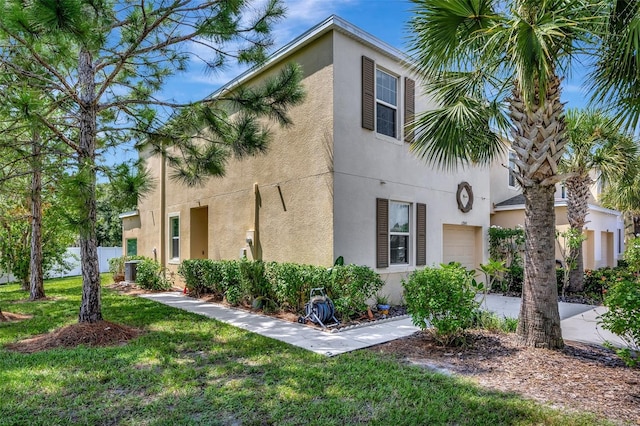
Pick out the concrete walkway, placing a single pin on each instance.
(318, 341)
(578, 323)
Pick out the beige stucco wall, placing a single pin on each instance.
(297, 166)
(146, 227)
(603, 230)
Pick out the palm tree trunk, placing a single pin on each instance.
(539, 139)
(539, 320)
(576, 275)
(577, 210)
(35, 262)
(90, 307)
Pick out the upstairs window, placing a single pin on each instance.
(386, 104)
(381, 102)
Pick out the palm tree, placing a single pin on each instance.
(495, 68)
(596, 151)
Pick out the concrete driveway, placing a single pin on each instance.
(579, 322)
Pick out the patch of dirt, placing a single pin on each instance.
(579, 377)
(101, 333)
(11, 317)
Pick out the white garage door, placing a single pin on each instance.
(459, 245)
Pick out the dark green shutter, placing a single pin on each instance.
(368, 93)
(421, 234)
(409, 107)
(382, 233)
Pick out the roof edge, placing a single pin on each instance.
(333, 22)
(132, 213)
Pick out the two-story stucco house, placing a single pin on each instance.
(340, 182)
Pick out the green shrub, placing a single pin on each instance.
(203, 276)
(442, 298)
(598, 281)
(282, 285)
(149, 275)
(632, 254)
(350, 288)
(193, 272)
(623, 317)
(255, 284)
(513, 279)
(233, 295)
(486, 320)
(291, 283)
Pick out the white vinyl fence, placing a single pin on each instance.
(73, 260)
(6, 278)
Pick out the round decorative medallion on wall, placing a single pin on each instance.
(464, 196)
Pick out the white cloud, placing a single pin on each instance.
(302, 14)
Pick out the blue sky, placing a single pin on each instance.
(384, 19)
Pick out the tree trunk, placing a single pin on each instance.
(35, 262)
(577, 210)
(539, 320)
(538, 140)
(90, 308)
(576, 276)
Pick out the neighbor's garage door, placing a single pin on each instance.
(459, 245)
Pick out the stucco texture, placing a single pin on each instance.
(296, 226)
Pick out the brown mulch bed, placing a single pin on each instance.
(101, 333)
(579, 377)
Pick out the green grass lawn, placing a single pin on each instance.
(187, 369)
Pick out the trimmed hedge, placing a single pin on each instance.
(282, 285)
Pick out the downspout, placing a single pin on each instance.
(257, 255)
(163, 212)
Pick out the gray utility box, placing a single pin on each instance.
(130, 269)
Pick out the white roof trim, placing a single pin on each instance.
(333, 22)
(132, 213)
(558, 203)
(604, 210)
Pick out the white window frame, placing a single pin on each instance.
(172, 258)
(408, 248)
(395, 107)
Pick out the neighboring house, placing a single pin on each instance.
(340, 182)
(604, 228)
